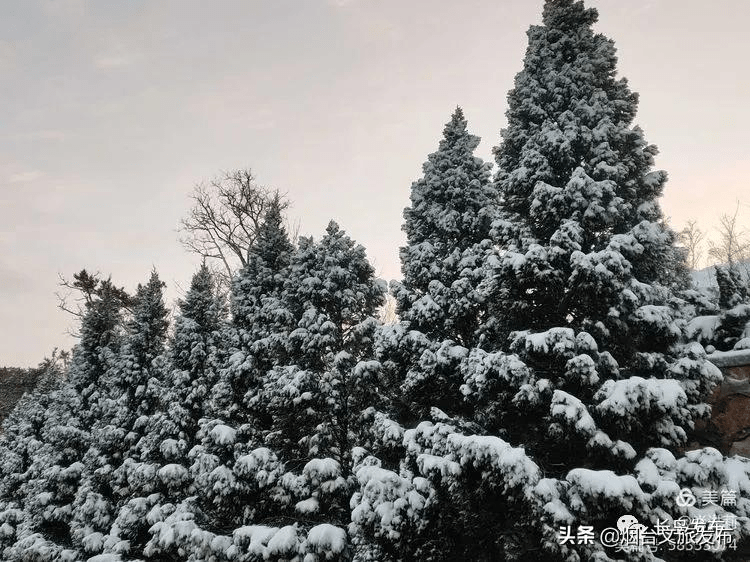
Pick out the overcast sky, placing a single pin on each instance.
(112, 110)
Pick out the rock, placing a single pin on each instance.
(741, 447)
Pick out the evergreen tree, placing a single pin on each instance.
(45, 461)
(580, 209)
(292, 466)
(261, 278)
(113, 469)
(726, 325)
(194, 353)
(155, 475)
(315, 395)
(148, 327)
(319, 399)
(256, 313)
(134, 381)
(41, 444)
(452, 207)
(582, 284)
(439, 300)
(732, 289)
(100, 336)
(583, 367)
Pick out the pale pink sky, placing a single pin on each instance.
(113, 110)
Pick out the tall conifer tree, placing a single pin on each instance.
(582, 288)
(451, 210)
(257, 313)
(583, 233)
(439, 300)
(194, 352)
(581, 395)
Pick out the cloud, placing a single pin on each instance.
(49, 135)
(13, 281)
(46, 135)
(7, 55)
(105, 61)
(67, 10)
(22, 177)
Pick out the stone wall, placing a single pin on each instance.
(729, 427)
(13, 383)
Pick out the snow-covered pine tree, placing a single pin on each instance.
(136, 380)
(101, 335)
(40, 448)
(452, 207)
(583, 369)
(256, 313)
(148, 326)
(40, 522)
(447, 228)
(229, 427)
(194, 352)
(317, 393)
(582, 284)
(577, 188)
(261, 278)
(732, 289)
(320, 399)
(157, 469)
(113, 470)
(287, 483)
(727, 325)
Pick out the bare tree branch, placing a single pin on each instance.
(84, 285)
(387, 313)
(691, 237)
(732, 245)
(88, 288)
(222, 224)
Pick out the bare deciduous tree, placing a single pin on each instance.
(387, 313)
(222, 224)
(732, 245)
(691, 237)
